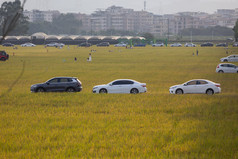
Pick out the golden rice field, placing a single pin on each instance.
(155, 124)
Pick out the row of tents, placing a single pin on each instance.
(42, 38)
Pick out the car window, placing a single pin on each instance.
(127, 82)
(63, 80)
(191, 83)
(224, 65)
(117, 83)
(201, 82)
(229, 65)
(55, 80)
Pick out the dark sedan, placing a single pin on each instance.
(85, 44)
(221, 45)
(207, 44)
(8, 44)
(58, 84)
(104, 44)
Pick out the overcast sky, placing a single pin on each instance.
(154, 6)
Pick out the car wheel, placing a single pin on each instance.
(70, 89)
(179, 91)
(220, 71)
(225, 60)
(134, 91)
(103, 91)
(40, 90)
(209, 92)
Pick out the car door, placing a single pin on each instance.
(63, 84)
(190, 87)
(235, 58)
(231, 58)
(52, 85)
(115, 87)
(225, 68)
(201, 86)
(232, 68)
(126, 86)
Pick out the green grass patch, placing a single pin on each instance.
(155, 124)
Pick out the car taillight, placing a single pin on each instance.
(144, 85)
(217, 66)
(218, 85)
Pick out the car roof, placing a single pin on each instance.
(125, 79)
(200, 80)
(63, 77)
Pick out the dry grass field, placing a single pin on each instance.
(155, 124)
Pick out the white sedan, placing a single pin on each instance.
(231, 58)
(158, 45)
(227, 68)
(176, 45)
(189, 45)
(28, 45)
(120, 45)
(121, 86)
(196, 86)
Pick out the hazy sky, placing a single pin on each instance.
(154, 6)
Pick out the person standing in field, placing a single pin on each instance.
(89, 58)
(197, 52)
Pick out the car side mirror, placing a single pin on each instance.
(185, 84)
(110, 84)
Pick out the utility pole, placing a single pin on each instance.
(168, 30)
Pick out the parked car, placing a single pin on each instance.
(58, 84)
(104, 44)
(235, 45)
(54, 44)
(208, 44)
(139, 45)
(28, 45)
(121, 86)
(158, 45)
(120, 45)
(85, 44)
(3, 56)
(176, 45)
(227, 68)
(196, 86)
(231, 58)
(8, 44)
(189, 45)
(221, 45)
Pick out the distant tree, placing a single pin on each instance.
(148, 36)
(235, 29)
(217, 31)
(66, 24)
(62, 24)
(12, 20)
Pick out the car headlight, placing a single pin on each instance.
(95, 87)
(33, 86)
(173, 87)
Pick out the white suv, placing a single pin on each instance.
(231, 58)
(227, 68)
